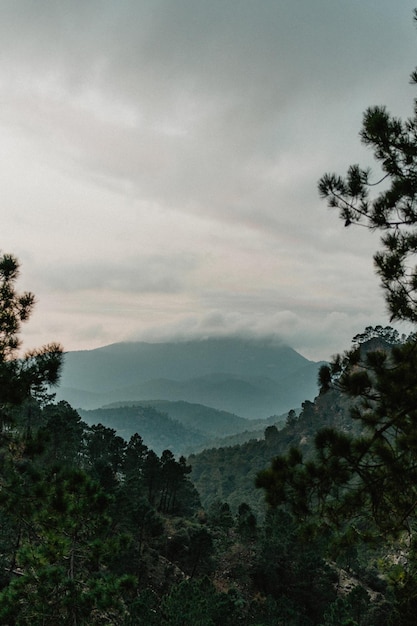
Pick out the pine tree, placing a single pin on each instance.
(361, 484)
(392, 211)
(63, 556)
(21, 377)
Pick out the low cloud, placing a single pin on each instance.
(160, 163)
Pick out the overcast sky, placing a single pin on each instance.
(160, 159)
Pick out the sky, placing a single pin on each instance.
(160, 159)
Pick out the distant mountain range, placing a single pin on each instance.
(251, 378)
(180, 426)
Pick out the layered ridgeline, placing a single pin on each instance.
(251, 378)
(228, 472)
(181, 427)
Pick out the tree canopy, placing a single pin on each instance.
(358, 485)
(31, 375)
(388, 204)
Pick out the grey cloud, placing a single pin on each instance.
(221, 115)
(317, 335)
(222, 78)
(142, 274)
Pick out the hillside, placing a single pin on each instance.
(248, 377)
(178, 426)
(197, 416)
(157, 430)
(228, 473)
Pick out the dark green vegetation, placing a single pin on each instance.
(356, 487)
(157, 430)
(229, 472)
(178, 426)
(210, 421)
(249, 377)
(98, 529)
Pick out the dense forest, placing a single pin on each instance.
(98, 529)
(313, 524)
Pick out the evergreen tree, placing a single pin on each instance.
(134, 456)
(197, 603)
(62, 561)
(63, 432)
(24, 385)
(362, 484)
(105, 455)
(393, 210)
(384, 461)
(246, 522)
(291, 569)
(31, 375)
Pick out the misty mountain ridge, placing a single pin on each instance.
(253, 378)
(211, 422)
(181, 427)
(158, 431)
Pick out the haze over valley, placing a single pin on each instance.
(214, 388)
(252, 378)
(209, 219)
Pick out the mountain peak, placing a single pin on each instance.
(129, 368)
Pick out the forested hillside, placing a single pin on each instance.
(203, 418)
(101, 529)
(229, 472)
(98, 529)
(314, 524)
(156, 429)
(178, 426)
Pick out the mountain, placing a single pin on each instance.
(180, 427)
(250, 377)
(205, 419)
(158, 431)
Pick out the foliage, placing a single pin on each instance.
(29, 376)
(228, 473)
(62, 557)
(393, 210)
(197, 603)
(290, 568)
(97, 529)
(62, 431)
(360, 485)
(371, 474)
